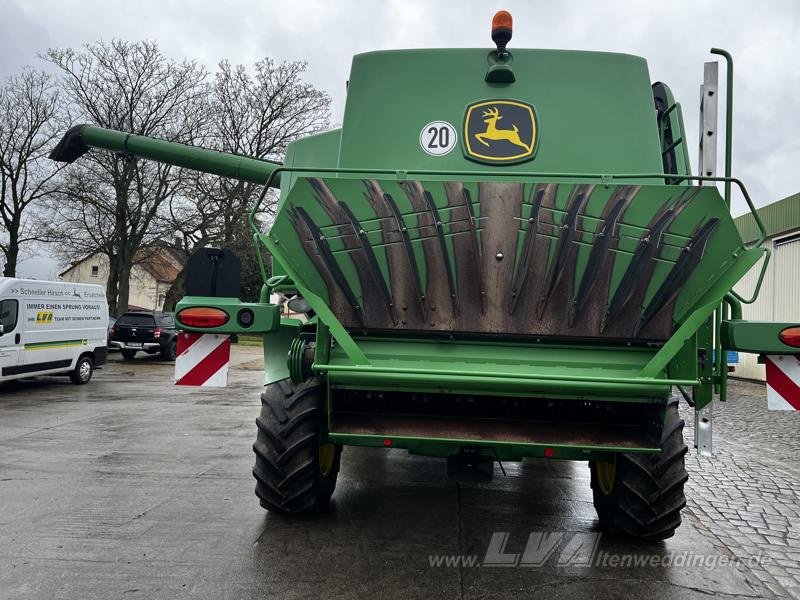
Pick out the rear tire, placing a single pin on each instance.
(170, 351)
(641, 495)
(128, 354)
(82, 373)
(295, 474)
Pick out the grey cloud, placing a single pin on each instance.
(674, 37)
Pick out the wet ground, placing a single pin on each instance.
(132, 488)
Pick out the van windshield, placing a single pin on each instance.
(133, 320)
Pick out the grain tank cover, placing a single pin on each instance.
(594, 110)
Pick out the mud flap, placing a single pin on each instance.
(276, 351)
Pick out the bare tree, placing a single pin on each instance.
(256, 113)
(28, 106)
(116, 204)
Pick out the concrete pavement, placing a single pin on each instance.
(132, 488)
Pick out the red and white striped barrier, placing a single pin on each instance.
(202, 359)
(783, 382)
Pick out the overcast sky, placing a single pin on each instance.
(674, 36)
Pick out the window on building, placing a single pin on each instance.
(95, 271)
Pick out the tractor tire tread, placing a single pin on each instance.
(289, 480)
(647, 496)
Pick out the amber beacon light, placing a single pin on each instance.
(501, 30)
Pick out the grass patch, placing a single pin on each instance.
(250, 340)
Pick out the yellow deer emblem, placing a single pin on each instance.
(492, 133)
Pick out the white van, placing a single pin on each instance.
(51, 327)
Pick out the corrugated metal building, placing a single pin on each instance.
(779, 299)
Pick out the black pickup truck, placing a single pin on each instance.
(141, 331)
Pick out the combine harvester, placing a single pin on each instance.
(501, 254)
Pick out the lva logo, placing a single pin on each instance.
(572, 549)
(44, 317)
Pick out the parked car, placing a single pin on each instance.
(51, 328)
(145, 331)
(111, 321)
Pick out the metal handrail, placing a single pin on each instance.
(604, 178)
(728, 116)
(757, 290)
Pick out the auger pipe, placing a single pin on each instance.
(78, 140)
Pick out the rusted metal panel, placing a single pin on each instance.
(491, 430)
(502, 257)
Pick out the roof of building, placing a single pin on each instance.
(163, 261)
(779, 217)
(159, 262)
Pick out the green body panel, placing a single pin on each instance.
(708, 300)
(704, 393)
(276, 350)
(319, 151)
(759, 337)
(595, 109)
(501, 451)
(499, 368)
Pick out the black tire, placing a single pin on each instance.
(170, 351)
(82, 373)
(129, 354)
(646, 497)
(290, 478)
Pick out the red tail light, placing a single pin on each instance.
(202, 317)
(113, 331)
(790, 336)
(157, 332)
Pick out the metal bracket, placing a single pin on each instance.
(707, 167)
(708, 120)
(703, 427)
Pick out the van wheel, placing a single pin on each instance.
(641, 495)
(128, 354)
(295, 471)
(83, 370)
(170, 351)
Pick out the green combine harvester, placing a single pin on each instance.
(500, 254)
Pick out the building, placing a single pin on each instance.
(155, 268)
(779, 299)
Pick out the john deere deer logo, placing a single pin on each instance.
(511, 140)
(491, 117)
